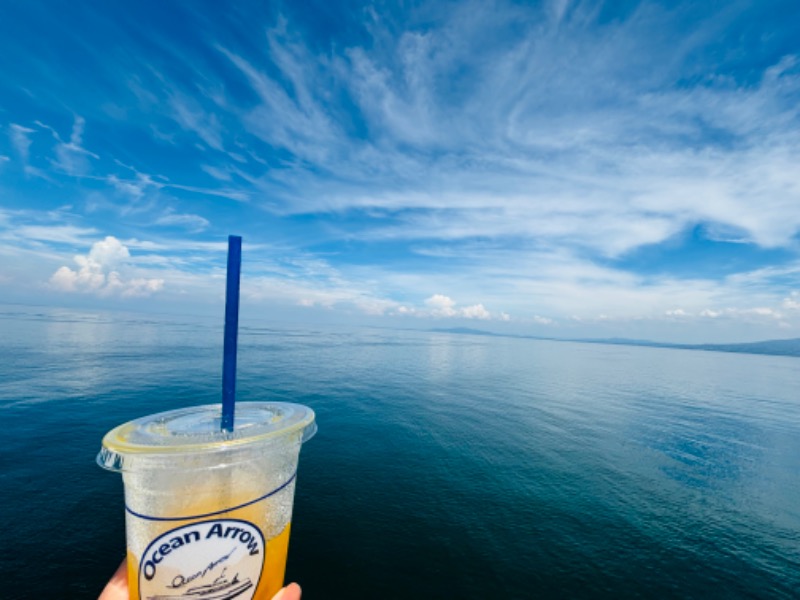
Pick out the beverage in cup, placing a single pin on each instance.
(208, 512)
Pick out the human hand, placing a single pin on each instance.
(117, 588)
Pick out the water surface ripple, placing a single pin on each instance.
(446, 466)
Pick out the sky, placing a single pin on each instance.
(560, 168)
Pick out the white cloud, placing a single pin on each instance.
(761, 311)
(329, 292)
(135, 188)
(99, 272)
(743, 314)
(232, 194)
(219, 174)
(190, 222)
(528, 165)
(20, 139)
(71, 156)
(440, 305)
(183, 245)
(190, 115)
(65, 234)
(527, 142)
(296, 116)
(792, 302)
(475, 312)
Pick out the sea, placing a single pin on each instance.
(446, 465)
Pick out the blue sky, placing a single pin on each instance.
(557, 168)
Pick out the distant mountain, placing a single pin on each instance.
(621, 342)
(775, 347)
(790, 347)
(469, 331)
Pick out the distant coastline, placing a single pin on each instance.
(788, 347)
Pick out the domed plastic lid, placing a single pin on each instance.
(197, 430)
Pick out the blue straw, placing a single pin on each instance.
(231, 332)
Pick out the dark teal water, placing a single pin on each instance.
(446, 466)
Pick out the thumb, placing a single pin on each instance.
(290, 592)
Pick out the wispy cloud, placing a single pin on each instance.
(193, 223)
(536, 162)
(65, 234)
(560, 129)
(135, 188)
(219, 174)
(295, 118)
(71, 157)
(239, 195)
(193, 117)
(20, 139)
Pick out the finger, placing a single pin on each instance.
(117, 587)
(290, 592)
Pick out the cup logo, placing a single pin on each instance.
(220, 559)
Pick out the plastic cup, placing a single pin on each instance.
(208, 512)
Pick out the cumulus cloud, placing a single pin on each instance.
(475, 312)
(440, 305)
(101, 271)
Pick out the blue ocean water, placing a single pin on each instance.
(446, 465)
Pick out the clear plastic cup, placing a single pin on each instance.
(208, 513)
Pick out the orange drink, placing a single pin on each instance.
(208, 513)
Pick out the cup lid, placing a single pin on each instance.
(197, 429)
